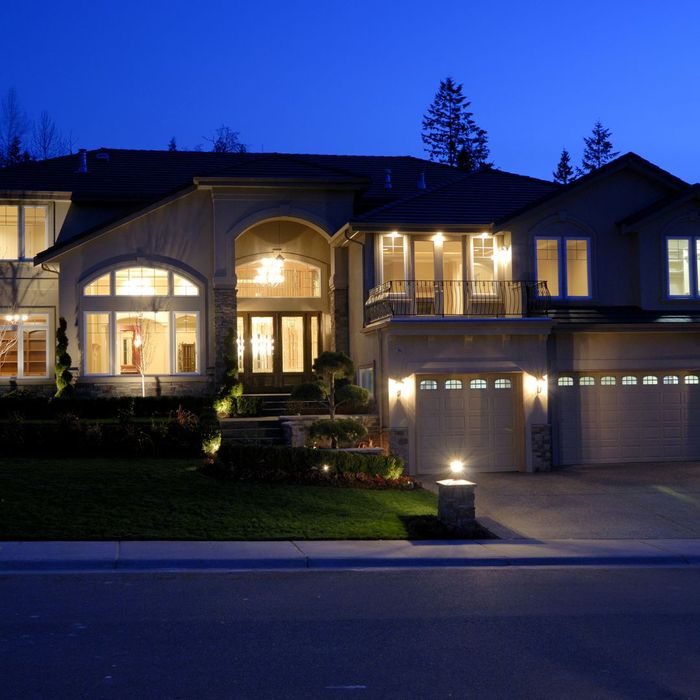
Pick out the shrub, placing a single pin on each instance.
(64, 378)
(341, 431)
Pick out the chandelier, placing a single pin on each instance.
(270, 270)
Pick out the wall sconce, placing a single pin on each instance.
(504, 254)
(438, 238)
(541, 384)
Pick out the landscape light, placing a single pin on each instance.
(456, 466)
(326, 468)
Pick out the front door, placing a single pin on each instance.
(276, 350)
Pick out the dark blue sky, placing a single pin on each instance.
(356, 77)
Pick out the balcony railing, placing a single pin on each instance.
(502, 299)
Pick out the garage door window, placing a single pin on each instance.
(629, 381)
(565, 381)
(608, 381)
(477, 384)
(503, 384)
(670, 379)
(428, 385)
(586, 381)
(692, 379)
(453, 384)
(650, 380)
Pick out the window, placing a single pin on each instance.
(629, 381)
(678, 267)
(428, 385)
(289, 278)
(23, 231)
(453, 384)
(365, 379)
(24, 345)
(650, 380)
(393, 257)
(478, 384)
(292, 344)
(141, 342)
(586, 381)
(608, 381)
(483, 258)
(670, 379)
(692, 379)
(182, 287)
(502, 384)
(99, 288)
(565, 381)
(140, 282)
(565, 265)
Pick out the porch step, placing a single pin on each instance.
(272, 404)
(251, 431)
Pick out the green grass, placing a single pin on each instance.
(94, 499)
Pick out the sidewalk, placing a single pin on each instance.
(132, 556)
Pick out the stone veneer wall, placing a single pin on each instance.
(154, 387)
(541, 447)
(296, 428)
(398, 443)
(340, 329)
(225, 306)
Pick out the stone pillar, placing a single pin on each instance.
(340, 322)
(541, 448)
(224, 319)
(456, 509)
(398, 443)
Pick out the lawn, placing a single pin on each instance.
(93, 499)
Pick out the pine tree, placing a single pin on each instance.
(564, 172)
(450, 134)
(172, 144)
(598, 148)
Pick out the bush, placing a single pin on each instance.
(299, 465)
(344, 432)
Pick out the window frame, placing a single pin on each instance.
(406, 254)
(562, 265)
(21, 230)
(19, 328)
(113, 285)
(367, 371)
(693, 259)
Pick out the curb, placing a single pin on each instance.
(166, 556)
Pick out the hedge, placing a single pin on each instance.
(298, 464)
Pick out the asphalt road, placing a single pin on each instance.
(487, 633)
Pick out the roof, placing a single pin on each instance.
(617, 315)
(477, 198)
(674, 200)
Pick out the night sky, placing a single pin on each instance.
(356, 77)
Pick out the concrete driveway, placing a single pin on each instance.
(659, 500)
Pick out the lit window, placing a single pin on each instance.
(629, 381)
(35, 231)
(393, 257)
(586, 381)
(565, 381)
(692, 379)
(240, 341)
(183, 287)
(99, 287)
(23, 231)
(502, 384)
(141, 282)
(186, 343)
(24, 345)
(143, 342)
(453, 384)
(365, 379)
(678, 267)
(292, 344)
(9, 232)
(96, 353)
(565, 259)
(483, 260)
(296, 279)
(478, 384)
(650, 380)
(608, 381)
(670, 379)
(428, 385)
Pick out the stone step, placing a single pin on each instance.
(252, 431)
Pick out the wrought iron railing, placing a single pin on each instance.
(496, 299)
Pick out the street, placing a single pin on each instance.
(483, 633)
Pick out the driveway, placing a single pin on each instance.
(659, 500)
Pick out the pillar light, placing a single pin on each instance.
(457, 466)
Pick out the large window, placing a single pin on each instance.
(24, 345)
(276, 277)
(23, 231)
(141, 342)
(393, 257)
(683, 267)
(565, 265)
(141, 282)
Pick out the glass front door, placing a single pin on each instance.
(276, 349)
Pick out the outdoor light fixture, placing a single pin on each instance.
(456, 466)
(438, 238)
(326, 468)
(394, 234)
(541, 383)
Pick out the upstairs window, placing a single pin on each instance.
(683, 267)
(393, 257)
(23, 231)
(565, 265)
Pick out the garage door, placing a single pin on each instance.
(628, 417)
(470, 417)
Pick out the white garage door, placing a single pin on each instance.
(628, 417)
(470, 417)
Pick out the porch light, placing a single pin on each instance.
(457, 466)
(394, 234)
(541, 384)
(484, 235)
(438, 238)
(270, 270)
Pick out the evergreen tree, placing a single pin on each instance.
(564, 172)
(598, 148)
(64, 377)
(172, 144)
(450, 134)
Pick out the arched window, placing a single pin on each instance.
(141, 282)
(608, 381)
(478, 384)
(503, 384)
(277, 276)
(650, 380)
(428, 385)
(565, 381)
(586, 381)
(453, 384)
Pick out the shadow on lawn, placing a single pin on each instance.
(428, 527)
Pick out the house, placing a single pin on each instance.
(497, 318)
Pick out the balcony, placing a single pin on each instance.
(466, 299)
